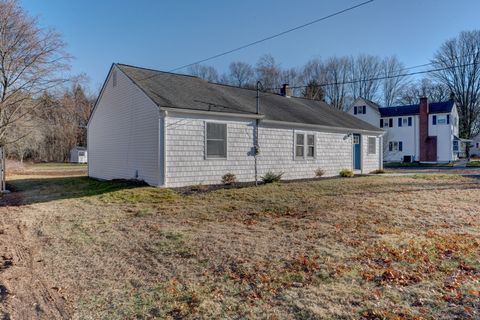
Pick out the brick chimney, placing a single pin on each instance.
(424, 129)
(286, 91)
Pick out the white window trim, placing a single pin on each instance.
(305, 145)
(205, 154)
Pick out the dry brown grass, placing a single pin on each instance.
(370, 247)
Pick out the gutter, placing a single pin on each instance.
(273, 122)
(213, 113)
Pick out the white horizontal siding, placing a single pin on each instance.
(123, 134)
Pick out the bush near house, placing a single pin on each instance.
(229, 179)
(319, 173)
(271, 177)
(346, 173)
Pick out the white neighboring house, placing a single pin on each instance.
(176, 130)
(475, 146)
(426, 132)
(79, 155)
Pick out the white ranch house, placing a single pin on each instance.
(175, 130)
(426, 132)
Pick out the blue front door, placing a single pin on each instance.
(357, 152)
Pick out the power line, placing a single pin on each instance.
(431, 63)
(380, 78)
(273, 36)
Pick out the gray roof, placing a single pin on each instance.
(189, 92)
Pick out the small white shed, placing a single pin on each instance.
(78, 155)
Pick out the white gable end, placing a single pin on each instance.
(123, 133)
(363, 111)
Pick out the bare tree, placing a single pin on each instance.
(205, 72)
(241, 74)
(31, 60)
(268, 72)
(364, 71)
(313, 91)
(460, 58)
(336, 73)
(26, 135)
(312, 77)
(313, 70)
(434, 91)
(395, 83)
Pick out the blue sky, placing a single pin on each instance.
(167, 34)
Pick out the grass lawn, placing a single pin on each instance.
(373, 247)
(416, 164)
(474, 163)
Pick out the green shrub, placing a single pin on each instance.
(347, 173)
(229, 178)
(271, 176)
(319, 173)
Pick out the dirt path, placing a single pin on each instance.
(25, 292)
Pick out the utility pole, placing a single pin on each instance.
(256, 146)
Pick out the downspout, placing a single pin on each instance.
(380, 151)
(162, 163)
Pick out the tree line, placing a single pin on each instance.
(53, 128)
(43, 109)
(455, 74)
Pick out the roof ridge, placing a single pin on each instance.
(418, 104)
(156, 70)
(214, 83)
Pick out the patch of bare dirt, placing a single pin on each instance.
(25, 292)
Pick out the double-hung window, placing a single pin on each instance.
(360, 110)
(455, 145)
(372, 145)
(216, 140)
(395, 146)
(310, 146)
(299, 145)
(304, 145)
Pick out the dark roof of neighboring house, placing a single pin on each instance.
(434, 107)
(192, 93)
